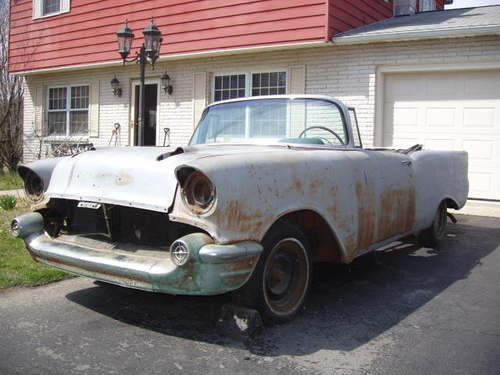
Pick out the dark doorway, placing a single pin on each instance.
(151, 92)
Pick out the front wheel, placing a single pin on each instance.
(431, 236)
(281, 280)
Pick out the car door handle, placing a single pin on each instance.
(406, 162)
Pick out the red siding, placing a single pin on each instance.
(87, 34)
(348, 14)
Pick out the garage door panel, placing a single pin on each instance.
(405, 116)
(480, 184)
(440, 116)
(479, 117)
(455, 111)
(479, 149)
(402, 91)
(443, 86)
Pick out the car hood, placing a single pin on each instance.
(142, 177)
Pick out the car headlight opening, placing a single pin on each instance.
(198, 192)
(34, 186)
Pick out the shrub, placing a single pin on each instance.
(8, 202)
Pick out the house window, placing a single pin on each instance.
(229, 87)
(68, 111)
(47, 8)
(51, 6)
(273, 83)
(232, 86)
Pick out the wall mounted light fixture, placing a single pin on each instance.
(115, 85)
(165, 84)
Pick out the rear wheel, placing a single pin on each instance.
(282, 277)
(435, 233)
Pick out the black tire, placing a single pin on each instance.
(431, 236)
(281, 280)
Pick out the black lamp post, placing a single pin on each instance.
(148, 53)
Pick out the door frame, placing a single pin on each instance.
(133, 84)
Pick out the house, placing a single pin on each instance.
(415, 73)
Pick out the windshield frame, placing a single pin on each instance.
(342, 109)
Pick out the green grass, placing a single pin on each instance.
(10, 181)
(17, 268)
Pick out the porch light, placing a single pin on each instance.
(125, 39)
(165, 84)
(115, 85)
(152, 41)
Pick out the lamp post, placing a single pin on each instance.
(148, 53)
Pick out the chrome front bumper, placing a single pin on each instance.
(211, 268)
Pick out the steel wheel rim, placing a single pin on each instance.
(286, 276)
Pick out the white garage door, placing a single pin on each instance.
(449, 111)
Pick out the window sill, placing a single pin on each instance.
(66, 139)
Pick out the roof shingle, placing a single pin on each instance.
(448, 23)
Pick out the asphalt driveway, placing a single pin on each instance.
(406, 310)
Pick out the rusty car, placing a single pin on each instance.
(266, 188)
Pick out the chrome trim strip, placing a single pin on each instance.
(225, 253)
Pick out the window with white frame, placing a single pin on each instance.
(229, 86)
(47, 8)
(68, 111)
(273, 83)
(240, 85)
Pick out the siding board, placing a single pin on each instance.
(69, 37)
(88, 33)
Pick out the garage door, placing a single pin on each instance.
(449, 111)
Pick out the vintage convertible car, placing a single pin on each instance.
(267, 187)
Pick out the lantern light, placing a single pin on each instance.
(165, 84)
(115, 85)
(152, 41)
(125, 39)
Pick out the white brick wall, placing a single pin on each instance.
(346, 72)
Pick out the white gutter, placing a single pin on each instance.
(182, 56)
(395, 36)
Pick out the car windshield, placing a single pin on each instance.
(286, 120)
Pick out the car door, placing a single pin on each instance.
(395, 192)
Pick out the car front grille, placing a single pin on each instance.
(116, 223)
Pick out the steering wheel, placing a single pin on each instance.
(323, 128)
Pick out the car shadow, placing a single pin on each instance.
(348, 306)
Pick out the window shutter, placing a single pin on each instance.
(199, 95)
(297, 85)
(94, 109)
(65, 6)
(297, 80)
(39, 104)
(37, 8)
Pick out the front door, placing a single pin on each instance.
(151, 94)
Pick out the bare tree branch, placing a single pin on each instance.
(11, 100)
